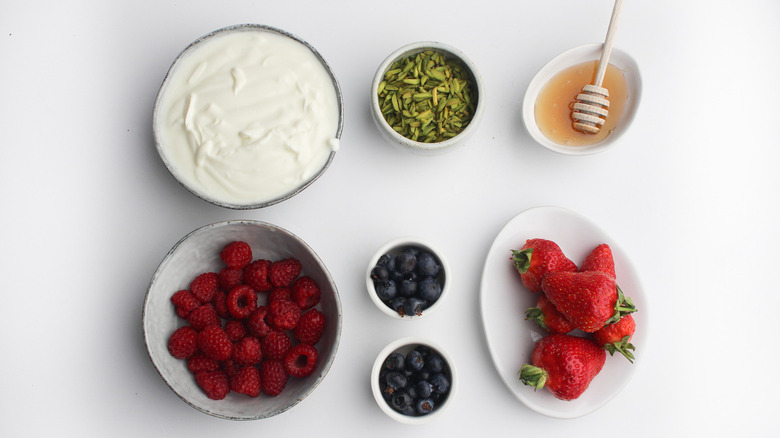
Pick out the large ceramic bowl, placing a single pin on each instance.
(418, 147)
(256, 132)
(589, 52)
(198, 252)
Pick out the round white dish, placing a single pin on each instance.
(394, 247)
(404, 346)
(577, 55)
(244, 192)
(417, 147)
(198, 252)
(504, 299)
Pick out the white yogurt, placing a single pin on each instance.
(247, 116)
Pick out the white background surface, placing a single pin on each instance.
(690, 193)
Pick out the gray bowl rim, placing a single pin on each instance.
(243, 28)
(337, 299)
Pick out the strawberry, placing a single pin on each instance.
(537, 258)
(564, 364)
(548, 317)
(590, 300)
(600, 260)
(617, 337)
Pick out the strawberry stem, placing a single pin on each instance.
(623, 347)
(535, 314)
(532, 376)
(522, 259)
(623, 306)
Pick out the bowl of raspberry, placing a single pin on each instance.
(242, 320)
(413, 380)
(407, 278)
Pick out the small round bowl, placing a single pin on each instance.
(394, 247)
(577, 55)
(415, 146)
(198, 252)
(404, 346)
(223, 189)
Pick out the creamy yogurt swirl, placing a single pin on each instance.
(247, 116)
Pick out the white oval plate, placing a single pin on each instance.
(504, 299)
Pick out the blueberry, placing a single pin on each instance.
(394, 362)
(379, 273)
(397, 304)
(405, 262)
(440, 383)
(408, 410)
(429, 289)
(424, 406)
(423, 389)
(401, 399)
(395, 380)
(427, 264)
(385, 289)
(422, 375)
(413, 306)
(434, 363)
(387, 261)
(408, 288)
(414, 361)
(412, 391)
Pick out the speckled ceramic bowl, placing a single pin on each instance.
(161, 113)
(393, 248)
(198, 252)
(404, 346)
(415, 146)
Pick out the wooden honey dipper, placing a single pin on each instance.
(591, 108)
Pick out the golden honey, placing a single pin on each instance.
(555, 100)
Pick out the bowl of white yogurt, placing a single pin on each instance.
(248, 116)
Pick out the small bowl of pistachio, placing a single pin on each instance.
(427, 97)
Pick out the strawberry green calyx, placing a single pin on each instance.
(522, 259)
(535, 314)
(623, 306)
(623, 347)
(532, 376)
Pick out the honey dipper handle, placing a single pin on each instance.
(607, 48)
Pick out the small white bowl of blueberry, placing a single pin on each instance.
(413, 380)
(407, 278)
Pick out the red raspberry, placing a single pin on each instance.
(230, 367)
(183, 342)
(184, 302)
(214, 343)
(310, 327)
(305, 292)
(236, 254)
(283, 314)
(246, 381)
(247, 351)
(220, 304)
(282, 273)
(228, 278)
(273, 378)
(202, 317)
(241, 301)
(256, 323)
(214, 383)
(204, 286)
(276, 345)
(256, 275)
(280, 293)
(300, 360)
(200, 362)
(235, 330)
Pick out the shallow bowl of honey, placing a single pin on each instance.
(546, 105)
